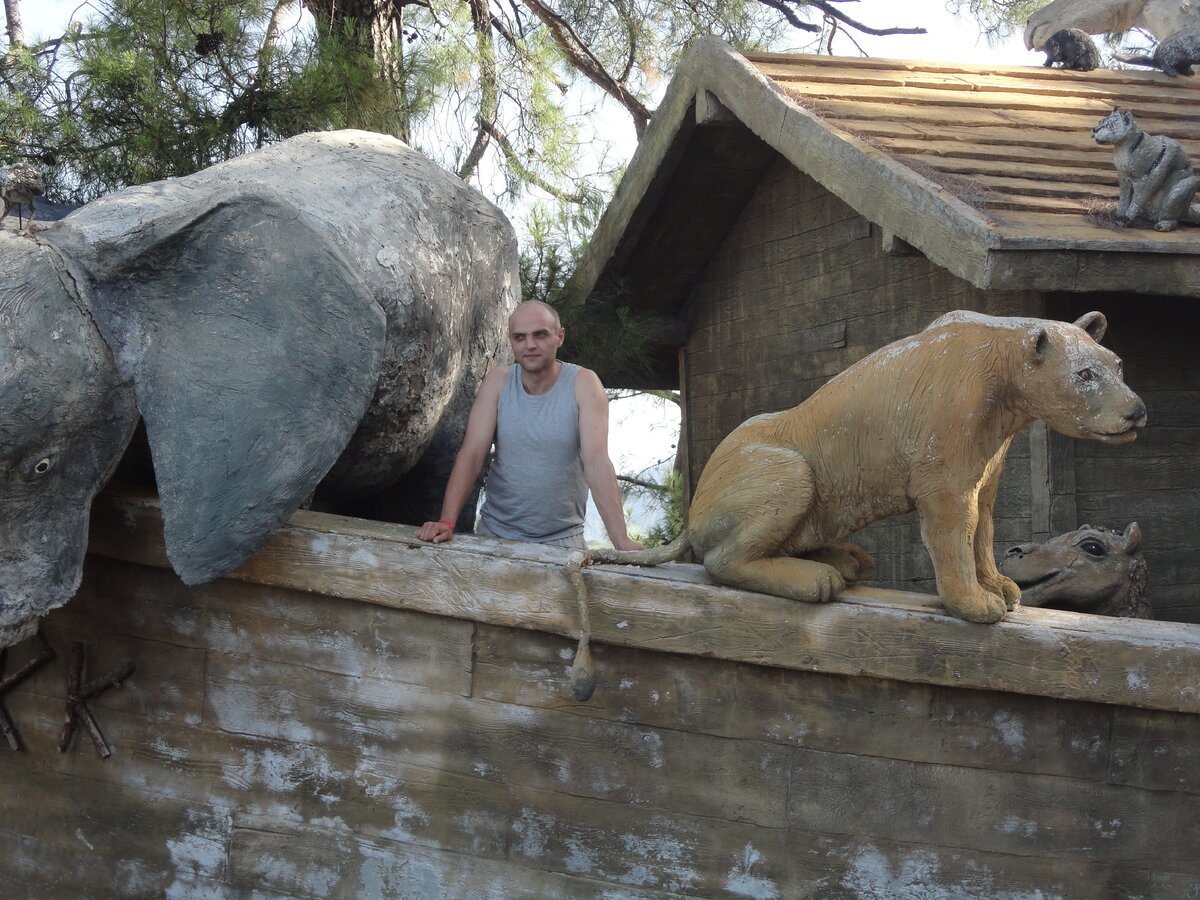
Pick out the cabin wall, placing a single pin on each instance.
(279, 743)
(800, 290)
(1156, 480)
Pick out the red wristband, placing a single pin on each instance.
(449, 525)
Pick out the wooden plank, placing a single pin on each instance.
(73, 843)
(508, 744)
(270, 853)
(714, 858)
(1022, 815)
(292, 626)
(1033, 176)
(981, 139)
(1097, 158)
(830, 713)
(929, 100)
(384, 796)
(1156, 750)
(980, 75)
(868, 633)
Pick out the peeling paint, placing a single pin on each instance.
(744, 883)
(199, 852)
(534, 830)
(1011, 731)
(406, 816)
(1136, 679)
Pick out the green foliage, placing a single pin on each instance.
(605, 333)
(143, 89)
(673, 521)
(147, 89)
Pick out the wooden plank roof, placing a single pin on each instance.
(991, 171)
(1018, 139)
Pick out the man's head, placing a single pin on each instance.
(535, 332)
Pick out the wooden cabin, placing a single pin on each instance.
(784, 216)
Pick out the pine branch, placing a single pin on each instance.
(790, 14)
(827, 7)
(581, 57)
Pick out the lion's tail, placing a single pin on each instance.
(583, 671)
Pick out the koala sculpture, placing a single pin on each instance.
(1156, 178)
(1073, 48)
(1174, 55)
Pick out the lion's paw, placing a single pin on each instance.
(1003, 586)
(824, 585)
(978, 605)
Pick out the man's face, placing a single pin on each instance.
(534, 338)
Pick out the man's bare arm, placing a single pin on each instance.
(597, 465)
(481, 431)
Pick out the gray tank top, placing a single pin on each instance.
(535, 488)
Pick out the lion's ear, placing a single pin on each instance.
(1041, 344)
(1094, 323)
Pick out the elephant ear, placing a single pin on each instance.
(254, 349)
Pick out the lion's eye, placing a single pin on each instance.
(1086, 375)
(1093, 548)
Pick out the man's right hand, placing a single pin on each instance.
(435, 532)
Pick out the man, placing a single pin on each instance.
(549, 422)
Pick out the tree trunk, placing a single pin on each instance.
(380, 23)
(12, 16)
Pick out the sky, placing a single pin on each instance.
(643, 431)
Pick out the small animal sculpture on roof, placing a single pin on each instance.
(1156, 178)
(1073, 48)
(19, 184)
(1092, 570)
(1174, 55)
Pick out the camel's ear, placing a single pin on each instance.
(1133, 538)
(254, 349)
(1094, 323)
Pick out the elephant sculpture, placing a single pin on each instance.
(311, 317)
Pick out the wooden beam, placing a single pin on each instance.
(678, 609)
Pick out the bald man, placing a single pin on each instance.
(549, 423)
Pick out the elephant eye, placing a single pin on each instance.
(1086, 375)
(35, 467)
(1093, 548)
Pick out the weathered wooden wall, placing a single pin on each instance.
(349, 743)
(801, 289)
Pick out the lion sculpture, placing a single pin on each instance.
(923, 423)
